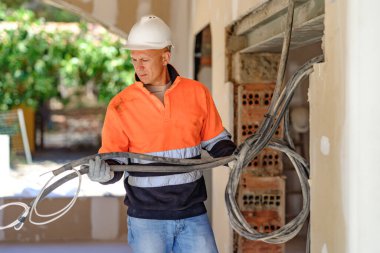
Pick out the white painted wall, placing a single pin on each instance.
(344, 102)
(363, 95)
(4, 154)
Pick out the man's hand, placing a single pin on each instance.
(99, 170)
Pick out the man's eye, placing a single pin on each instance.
(144, 60)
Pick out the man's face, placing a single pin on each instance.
(150, 65)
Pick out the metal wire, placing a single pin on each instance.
(243, 155)
(246, 153)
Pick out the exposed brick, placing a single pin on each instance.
(255, 95)
(262, 193)
(264, 221)
(254, 68)
(247, 246)
(247, 126)
(267, 163)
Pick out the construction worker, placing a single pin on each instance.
(162, 114)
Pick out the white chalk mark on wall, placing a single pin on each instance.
(325, 145)
(324, 248)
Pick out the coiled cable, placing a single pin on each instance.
(31, 209)
(243, 155)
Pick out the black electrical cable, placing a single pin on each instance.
(243, 155)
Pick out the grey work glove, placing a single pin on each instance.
(99, 170)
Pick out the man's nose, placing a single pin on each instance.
(139, 65)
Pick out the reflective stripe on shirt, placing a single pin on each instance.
(159, 181)
(176, 179)
(208, 145)
(175, 153)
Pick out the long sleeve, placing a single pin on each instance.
(215, 139)
(113, 138)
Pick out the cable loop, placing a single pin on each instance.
(243, 155)
(58, 214)
(17, 220)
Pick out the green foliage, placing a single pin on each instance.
(34, 62)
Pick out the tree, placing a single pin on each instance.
(34, 61)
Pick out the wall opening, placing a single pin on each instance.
(269, 193)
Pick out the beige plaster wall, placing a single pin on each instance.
(344, 132)
(117, 15)
(329, 136)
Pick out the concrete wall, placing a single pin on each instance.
(344, 131)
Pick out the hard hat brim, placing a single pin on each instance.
(147, 46)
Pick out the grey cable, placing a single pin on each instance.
(243, 155)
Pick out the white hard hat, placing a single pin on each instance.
(150, 32)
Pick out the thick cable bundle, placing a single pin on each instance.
(252, 146)
(242, 157)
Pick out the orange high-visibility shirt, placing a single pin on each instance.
(137, 121)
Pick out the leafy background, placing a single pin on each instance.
(38, 65)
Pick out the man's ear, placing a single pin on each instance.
(166, 57)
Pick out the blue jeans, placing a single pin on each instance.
(190, 235)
